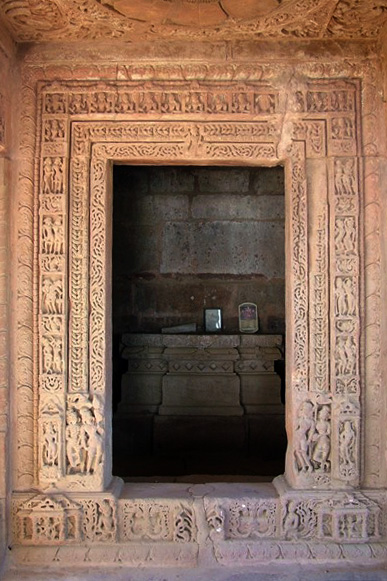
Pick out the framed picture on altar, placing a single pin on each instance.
(248, 318)
(213, 320)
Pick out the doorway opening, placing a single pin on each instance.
(198, 405)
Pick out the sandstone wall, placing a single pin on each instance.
(6, 82)
(190, 238)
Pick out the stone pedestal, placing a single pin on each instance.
(200, 375)
(202, 395)
(141, 384)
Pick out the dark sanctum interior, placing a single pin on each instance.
(190, 401)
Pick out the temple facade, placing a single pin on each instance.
(87, 84)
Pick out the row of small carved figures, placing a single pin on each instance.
(347, 519)
(247, 101)
(164, 102)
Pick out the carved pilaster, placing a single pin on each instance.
(53, 299)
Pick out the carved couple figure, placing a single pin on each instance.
(313, 441)
(84, 437)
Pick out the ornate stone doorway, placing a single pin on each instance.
(314, 131)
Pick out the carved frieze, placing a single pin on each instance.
(103, 19)
(47, 520)
(237, 99)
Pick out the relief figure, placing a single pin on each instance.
(345, 235)
(345, 297)
(194, 103)
(91, 442)
(52, 355)
(345, 355)
(53, 175)
(73, 441)
(55, 103)
(291, 522)
(347, 445)
(50, 444)
(57, 175)
(52, 296)
(52, 235)
(322, 438)
(304, 437)
(345, 180)
(54, 130)
(125, 103)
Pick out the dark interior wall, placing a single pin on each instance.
(190, 238)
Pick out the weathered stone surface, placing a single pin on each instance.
(144, 304)
(160, 212)
(224, 247)
(268, 181)
(171, 180)
(141, 250)
(194, 395)
(260, 389)
(150, 209)
(243, 207)
(223, 180)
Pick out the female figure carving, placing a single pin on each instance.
(323, 441)
(304, 436)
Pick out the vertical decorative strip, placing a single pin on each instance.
(345, 319)
(53, 300)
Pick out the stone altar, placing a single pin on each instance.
(200, 374)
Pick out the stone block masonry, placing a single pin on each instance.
(189, 238)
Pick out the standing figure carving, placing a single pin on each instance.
(91, 441)
(84, 436)
(322, 438)
(52, 296)
(73, 441)
(345, 297)
(50, 444)
(304, 437)
(347, 446)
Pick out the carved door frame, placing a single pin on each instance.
(315, 134)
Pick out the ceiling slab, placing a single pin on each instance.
(138, 20)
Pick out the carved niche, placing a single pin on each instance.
(86, 128)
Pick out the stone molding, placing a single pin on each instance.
(250, 526)
(319, 130)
